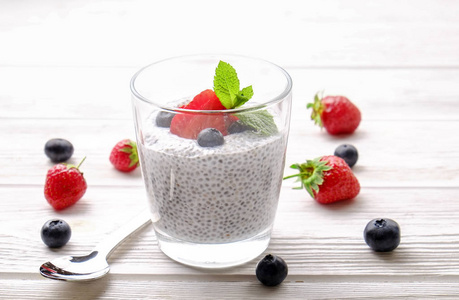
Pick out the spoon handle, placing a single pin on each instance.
(114, 239)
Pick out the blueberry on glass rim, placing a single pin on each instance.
(382, 235)
(55, 233)
(347, 152)
(271, 270)
(210, 137)
(58, 150)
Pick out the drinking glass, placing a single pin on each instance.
(211, 206)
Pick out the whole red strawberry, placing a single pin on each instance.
(124, 156)
(64, 185)
(336, 113)
(327, 179)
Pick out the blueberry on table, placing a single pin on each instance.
(271, 270)
(347, 152)
(210, 137)
(58, 150)
(164, 119)
(56, 233)
(382, 235)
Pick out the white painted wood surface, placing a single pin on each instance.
(64, 72)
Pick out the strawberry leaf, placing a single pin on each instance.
(310, 174)
(132, 151)
(317, 109)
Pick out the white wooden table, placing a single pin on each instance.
(65, 67)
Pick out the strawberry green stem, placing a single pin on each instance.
(132, 151)
(78, 167)
(310, 174)
(317, 110)
(73, 166)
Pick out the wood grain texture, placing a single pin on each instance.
(101, 93)
(387, 156)
(314, 239)
(65, 71)
(294, 33)
(306, 287)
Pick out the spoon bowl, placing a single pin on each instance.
(94, 265)
(68, 268)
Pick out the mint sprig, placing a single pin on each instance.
(227, 87)
(261, 121)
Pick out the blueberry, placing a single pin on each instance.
(210, 137)
(55, 233)
(58, 150)
(164, 119)
(237, 127)
(271, 270)
(382, 235)
(348, 153)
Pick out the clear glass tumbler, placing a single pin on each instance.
(211, 206)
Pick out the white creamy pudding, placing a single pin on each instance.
(216, 194)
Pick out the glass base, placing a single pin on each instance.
(212, 256)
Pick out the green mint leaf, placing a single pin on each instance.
(261, 121)
(226, 87)
(243, 96)
(240, 99)
(247, 92)
(226, 84)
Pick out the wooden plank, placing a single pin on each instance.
(65, 69)
(305, 287)
(315, 240)
(66, 93)
(103, 93)
(327, 11)
(387, 156)
(298, 33)
(381, 94)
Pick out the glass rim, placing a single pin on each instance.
(277, 98)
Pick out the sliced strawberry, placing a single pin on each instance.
(206, 100)
(189, 125)
(230, 119)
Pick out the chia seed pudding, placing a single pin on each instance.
(212, 195)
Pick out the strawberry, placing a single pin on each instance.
(64, 185)
(206, 100)
(189, 125)
(327, 179)
(124, 156)
(336, 113)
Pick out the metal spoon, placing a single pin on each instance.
(94, 265)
